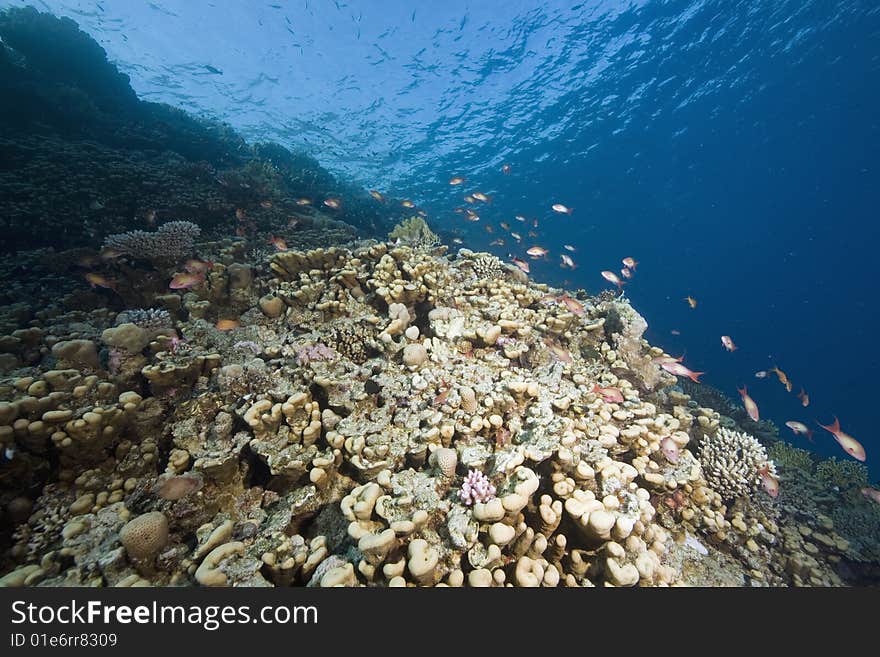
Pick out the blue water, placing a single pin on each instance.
(728, 147)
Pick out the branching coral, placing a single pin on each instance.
(789, 457)
(845, 475)
(731, 461)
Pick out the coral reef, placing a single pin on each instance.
(731, 462)
(169, 243)
(323, 410)
(384, 415)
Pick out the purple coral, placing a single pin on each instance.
(315, 352)
(476, 488)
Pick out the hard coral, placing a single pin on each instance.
(172, 241)
(476, 488)
(731, 461)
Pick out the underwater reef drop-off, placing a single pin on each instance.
(221, 366)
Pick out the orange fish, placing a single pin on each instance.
(783, 379)
(521, 264)
(88, 261)
(505, 225)
(675, 332)
(469, 199)
(569, 247)
(537, 251)
(560, 353)
(194, 266)
(227, 324)
(482, 197)
(303, 201)
(457, 180)
(472, 216)
(489, 229)
(184, 281)
(728, 343)
(871, 493)
(626, 273)
(749, 403)
(629, 263)
(611, 277)
(850, 445)
(407, 203)
(519, 217)
(421, 213)
(804, 397)
(240, 214)
(457, 240)
(96, 280)
(505, 168)
(691, 301)
(516, 236)
(573, 305)
(265, 204)
(768, 481)
(668, 359)
(498, 242)
(376, 195)
(800, 428)
(532, 233)
(334, 203)
(567, 261)
(278, 243)
(610, 395)
(558, 207)
(675, 367)
(109, 253)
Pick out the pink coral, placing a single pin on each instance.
(476, 488)
(315, 352)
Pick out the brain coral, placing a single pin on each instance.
(145, 535)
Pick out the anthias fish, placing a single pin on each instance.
(278, 243)
(97, 280)
(850, 445)
(573, 305)
(186, 280)
(804, 397)
(801, 429)
(537, 251)
(675, 367)
(728, 343)
(749, 403)
(561, 209)
(629, 263)
(610, 395)
(769, 482)
(611, 277)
